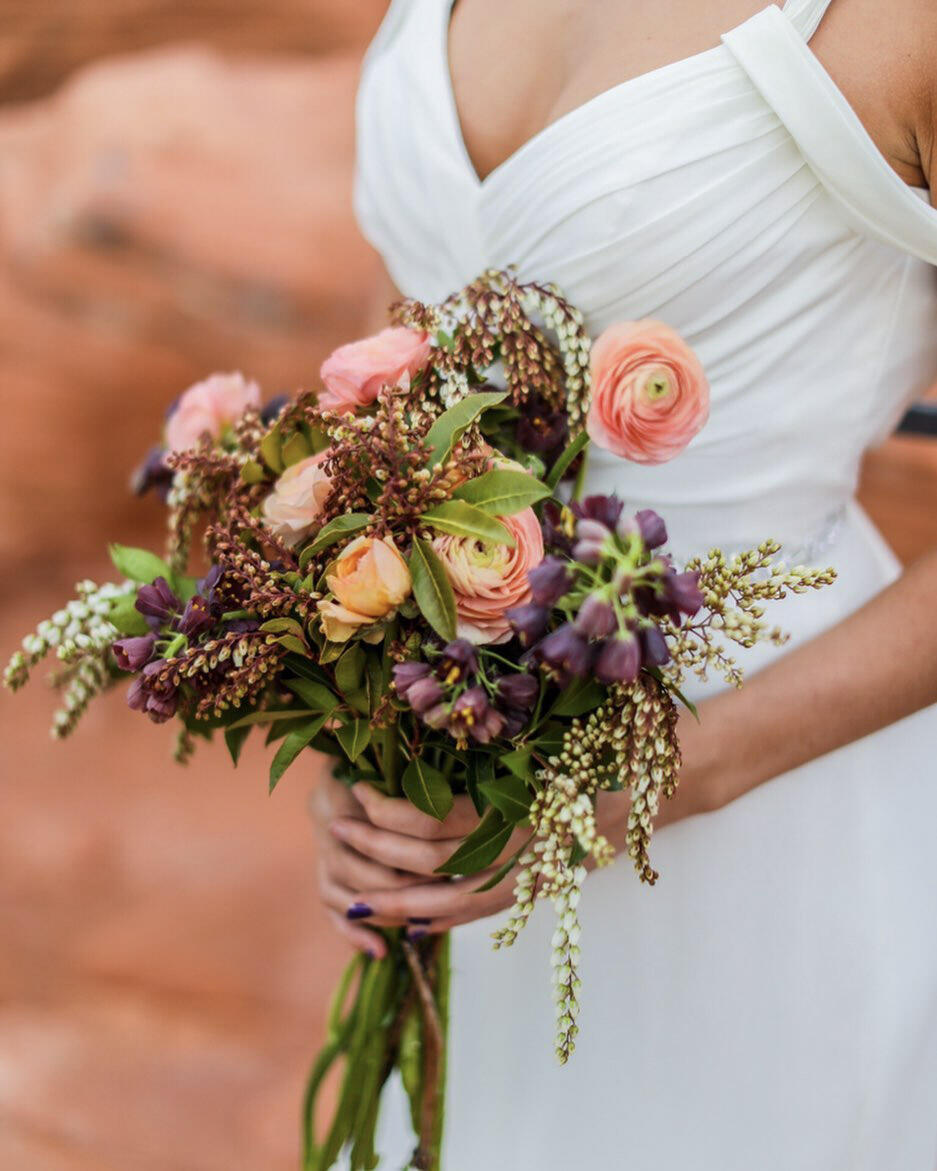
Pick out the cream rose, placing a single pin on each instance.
(208, 407)
(293, 507)
(354, 374)
(368, 580)
(649, 392)
(488, 579)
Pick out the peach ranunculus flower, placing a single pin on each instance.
(488, 579)
(355, 373)
(209, 407)
(292, 509)
(649, 392)
(368, 580)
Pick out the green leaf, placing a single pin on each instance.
(479, 768)
(502, 492)
(563, 461)
(432, 590)
(283, 626)
(340, 527)
(126, 617)
(354, 737)
(139, 564)
(480, 848)
(253, 473)
(450, 426)
(292, 746)
(305, 668)
(292, 643)
(270, 449)
(580, 697)
(295, 448)
(349, 670)
(465, 520)
(519, 763)
(427, 788)
(234, 737)
(510, 796)
(271, 715)
(503, 870)
(314, 695)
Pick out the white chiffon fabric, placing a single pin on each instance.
(771, 1005)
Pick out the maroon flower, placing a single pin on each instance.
(596, 617)
(566, 651)
(528, 621)
(619, 659)
(157, 603)
(518, 691)
(424, 693)
(654, 649)
(406, 674)
(651, 527)
(605, 509)
(592, 538)
(196, 618)
(549, 581)
(458, 661)
(133, 653)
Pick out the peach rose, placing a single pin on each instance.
(368, 580)
(649, 392)
(354, 374)
(292, 508)
(488, 579)
(208, 407)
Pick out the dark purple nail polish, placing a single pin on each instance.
(416, 933)
(358, 911)
(371, 953)
(420, 922)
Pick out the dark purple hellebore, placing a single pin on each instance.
(619, 660)
(549, 581)
(133, 653)
(157, 602)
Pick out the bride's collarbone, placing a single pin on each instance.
(505, 97)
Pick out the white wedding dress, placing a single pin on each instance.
(771, 1005)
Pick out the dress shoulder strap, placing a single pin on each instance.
(772, 49)
(806, 15)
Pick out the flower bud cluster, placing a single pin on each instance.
(615, 592)
(457, 694)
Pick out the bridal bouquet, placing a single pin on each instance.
(401, 574)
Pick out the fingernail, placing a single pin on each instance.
(358, 911)
(416, 933)
(371, 953)
(420, 922)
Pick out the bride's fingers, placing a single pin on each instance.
(358, 873)
(354, 906)
(360, 938)
(399, 816)
(426, 904)
(393, 849)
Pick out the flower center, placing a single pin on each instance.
(657, 386)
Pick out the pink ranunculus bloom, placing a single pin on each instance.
(368, 580)
(292, 509)
(208, 407)
(488, 579)
(649, 392)
(355, 373)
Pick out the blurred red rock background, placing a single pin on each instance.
(174, 198)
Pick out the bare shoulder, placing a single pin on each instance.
(884, 59)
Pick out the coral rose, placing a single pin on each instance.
(208, 407)
(649, 392)
(292, 508)
(354, 373)
(488, 579)
(368, 581)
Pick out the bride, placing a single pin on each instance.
(771, 1005)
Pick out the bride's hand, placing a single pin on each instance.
(399, 842)
(404, 847)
